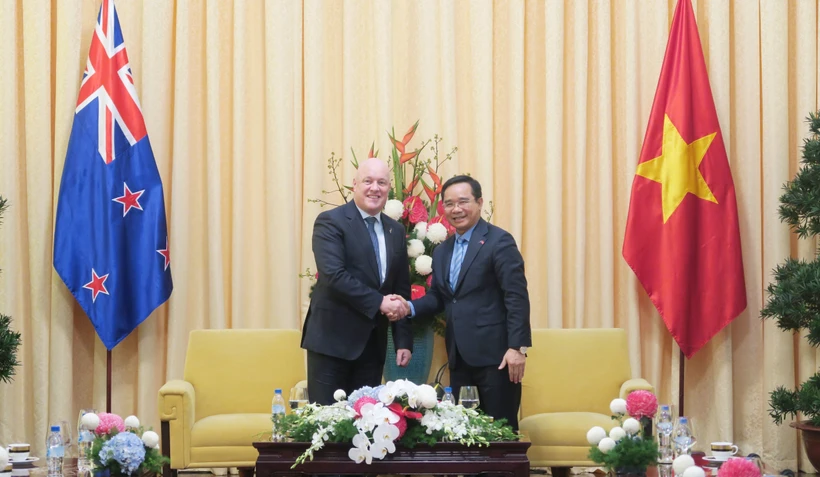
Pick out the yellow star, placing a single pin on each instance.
(676, 169)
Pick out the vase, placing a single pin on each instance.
(811, 441)
(630, 472)
(418, 370)
(646, 425)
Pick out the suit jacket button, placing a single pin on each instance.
(454, 300)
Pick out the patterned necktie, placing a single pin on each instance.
(455, 262)
(371, 227)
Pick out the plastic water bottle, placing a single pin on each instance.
(55, 450)
(448, 396)
(85, 439)
(278, 411)
(665, 427)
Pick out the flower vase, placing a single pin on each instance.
(646, 427)
(418, 370)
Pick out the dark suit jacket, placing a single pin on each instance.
(344, 307)
(489, 312)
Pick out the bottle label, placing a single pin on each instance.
(57, 451)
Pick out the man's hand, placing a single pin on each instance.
(403, 357)
(514, 360)
(394, 309)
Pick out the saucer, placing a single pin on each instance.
(711, 458)
(24, 462)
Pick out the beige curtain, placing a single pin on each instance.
(547, 101)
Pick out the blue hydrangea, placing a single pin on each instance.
(365, 391)
(125, 448)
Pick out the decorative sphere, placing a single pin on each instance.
(617, 433)
(632, 426)
(132, 422)
(606, 445)
(681, 463)
(618, 406)
(595, 435)
(150, 439)
(339, 395)
(694, 471)
(90, 421)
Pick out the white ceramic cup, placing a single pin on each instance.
(18, 452)
(723, 450)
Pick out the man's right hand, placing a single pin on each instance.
(394, 307)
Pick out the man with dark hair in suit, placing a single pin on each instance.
(479, 282)
(361, 255)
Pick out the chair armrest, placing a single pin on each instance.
(176, 410)
(302, 384)
(635, 384)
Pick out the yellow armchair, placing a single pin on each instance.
(572, 375)
(211, 417)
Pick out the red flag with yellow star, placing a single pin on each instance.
(682, 238)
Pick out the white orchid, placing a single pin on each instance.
(374, 415)
(394, 209)
(383, 438)
(361, 449)
(387, 395)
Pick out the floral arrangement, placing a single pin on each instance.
(684, 466)
(629, 446)
(414, 201)
(122, 447)
(373, 420)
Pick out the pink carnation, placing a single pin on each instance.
(416, 209)
(641, 404)
(739, 467)
(109, 421)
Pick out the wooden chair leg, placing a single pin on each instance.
(165, 431)
(560, 471)
(246, 471)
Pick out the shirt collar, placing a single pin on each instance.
(466, 236)
(366, 215)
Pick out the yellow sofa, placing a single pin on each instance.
(211, 417)
(571, 377)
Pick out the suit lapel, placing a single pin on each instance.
(449, 246)
(476, 242)
(359, 229)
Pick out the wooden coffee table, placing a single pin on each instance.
(276, 459)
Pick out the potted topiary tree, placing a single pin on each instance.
(9, 339)
(794, 296)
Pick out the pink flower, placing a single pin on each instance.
(739, 467)
(416, 209)
(429, 280)
(109, 421)
(417, 291)
(641, 404)
(361, 402)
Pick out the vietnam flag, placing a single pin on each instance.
(682, 238)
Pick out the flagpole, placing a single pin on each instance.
(108, 381)
(681, 370)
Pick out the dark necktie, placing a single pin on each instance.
(371, 228)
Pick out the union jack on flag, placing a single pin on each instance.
(110, 240)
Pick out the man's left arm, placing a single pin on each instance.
(509, 269)
(403, 329)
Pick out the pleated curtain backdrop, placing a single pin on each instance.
(547, 101)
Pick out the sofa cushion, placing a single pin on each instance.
(563, 428)
(224, 430)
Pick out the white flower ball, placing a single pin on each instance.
(132, 422)
(4, 458)
(90, 421)
(617, 433)
(694, 471)
(393, 209)
(427, 396)
(606, 445)
(339, 395)
(632, 426)
(436, 233)
(150, 439)
(618, 406)
(595, 435)
(421, 230)
(424, 264)
(415, 247)
(681, 463)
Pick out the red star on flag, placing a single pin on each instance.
(129, 199)
(166, 254)
(96, 285)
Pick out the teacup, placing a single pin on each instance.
(18, 452)
(723, 450)
(6, 471)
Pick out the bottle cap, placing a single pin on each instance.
(55, 428)
(278, 391)
(684, 420)
(665, 407)
(448, 389)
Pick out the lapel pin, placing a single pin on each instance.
(481, 242)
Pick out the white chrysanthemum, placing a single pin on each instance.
(606, 445)
(436, 233)
(632, 426)
(415, 247)
(424, 264)
(618, 406)
(150, 439)
(132, 422)
(681, 463)
(595, 435)
(4, 458)
(393, 209)
(694, 471)
(339, 395)
(90, 421)
(617, 433)
(421, 230)
(427, 396)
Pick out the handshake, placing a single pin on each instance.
(394, 307)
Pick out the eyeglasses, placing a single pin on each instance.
(461, 204)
